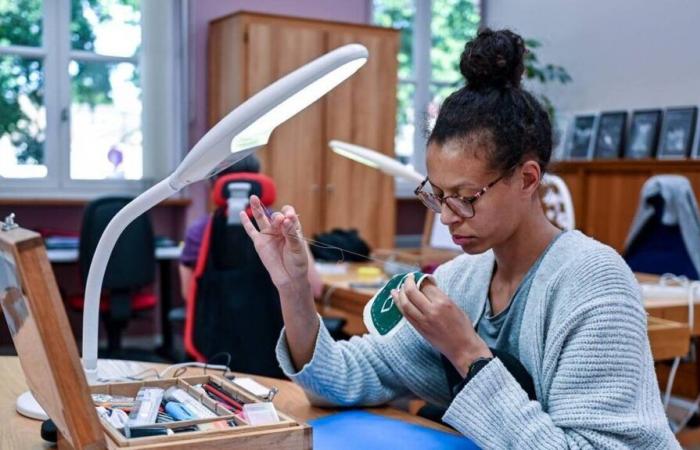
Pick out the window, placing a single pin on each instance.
(22, 106)
(71, 76)
(433, 34)
(105, 110)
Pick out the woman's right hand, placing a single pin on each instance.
(279, 243)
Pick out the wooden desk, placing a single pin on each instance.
(18, 432)
(667, 325)
(341, 300)
(668, 339)
(672, 308)
(676, 311)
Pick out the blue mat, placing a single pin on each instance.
(354, 430)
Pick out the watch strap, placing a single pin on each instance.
(474, 368)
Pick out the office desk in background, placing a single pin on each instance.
(58, 256)
(672, 308)
(165, 256)
(18, 432)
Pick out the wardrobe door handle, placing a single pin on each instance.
(330, 188)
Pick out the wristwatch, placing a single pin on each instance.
(474, 368)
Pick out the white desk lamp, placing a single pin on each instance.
(440, 234)
(240, 133)
(237, 135)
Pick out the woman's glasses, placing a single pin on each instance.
(462, 206)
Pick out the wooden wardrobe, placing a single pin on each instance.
(248, 51)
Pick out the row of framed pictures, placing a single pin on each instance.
(651, 133)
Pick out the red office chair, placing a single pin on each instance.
(128, 280)
(232, 305)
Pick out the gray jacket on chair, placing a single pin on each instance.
(680, 208)
(583, 340)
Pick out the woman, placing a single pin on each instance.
(566, 306)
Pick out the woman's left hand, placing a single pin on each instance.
(438, 319)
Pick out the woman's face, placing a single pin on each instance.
(459, 167)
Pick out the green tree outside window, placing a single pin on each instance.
(23, 78)
(452, 24)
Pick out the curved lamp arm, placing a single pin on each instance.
(108, 240)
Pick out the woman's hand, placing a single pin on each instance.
(279, 243)
(283, 251)
(438, 319)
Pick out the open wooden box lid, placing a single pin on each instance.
(37, 321)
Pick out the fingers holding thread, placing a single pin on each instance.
(259, 213)
(290, 213)
(248, 225)
(292, 235)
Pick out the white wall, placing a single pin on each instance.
(621, 54)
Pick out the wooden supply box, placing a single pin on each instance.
(287, 434)
(49, 357)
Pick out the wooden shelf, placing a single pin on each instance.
(625, 165)
(605, 193)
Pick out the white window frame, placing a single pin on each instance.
(422, 80)
(164, 88)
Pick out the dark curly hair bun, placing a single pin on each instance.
(493, 59)
(493, 101)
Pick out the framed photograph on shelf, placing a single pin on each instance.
(610, 135)
(677, 132)
(580, 142)
(643, 136)
(560, 128)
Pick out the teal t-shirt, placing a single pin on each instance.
(502, 331)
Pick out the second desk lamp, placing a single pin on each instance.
(439, 234)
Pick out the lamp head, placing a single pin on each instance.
(373, 158)
(248, 127)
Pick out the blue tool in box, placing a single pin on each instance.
(178, 411)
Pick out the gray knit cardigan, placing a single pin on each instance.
(583, 340)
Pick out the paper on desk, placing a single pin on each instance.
(656, 295)
(659, 291)
(331, 268)
(111, 370)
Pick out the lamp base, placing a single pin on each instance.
(29, 407)
(91, 376)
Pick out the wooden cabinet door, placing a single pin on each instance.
(362, 111)
(610, 204)
(293, 155)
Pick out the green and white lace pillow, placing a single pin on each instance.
(381, 315)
